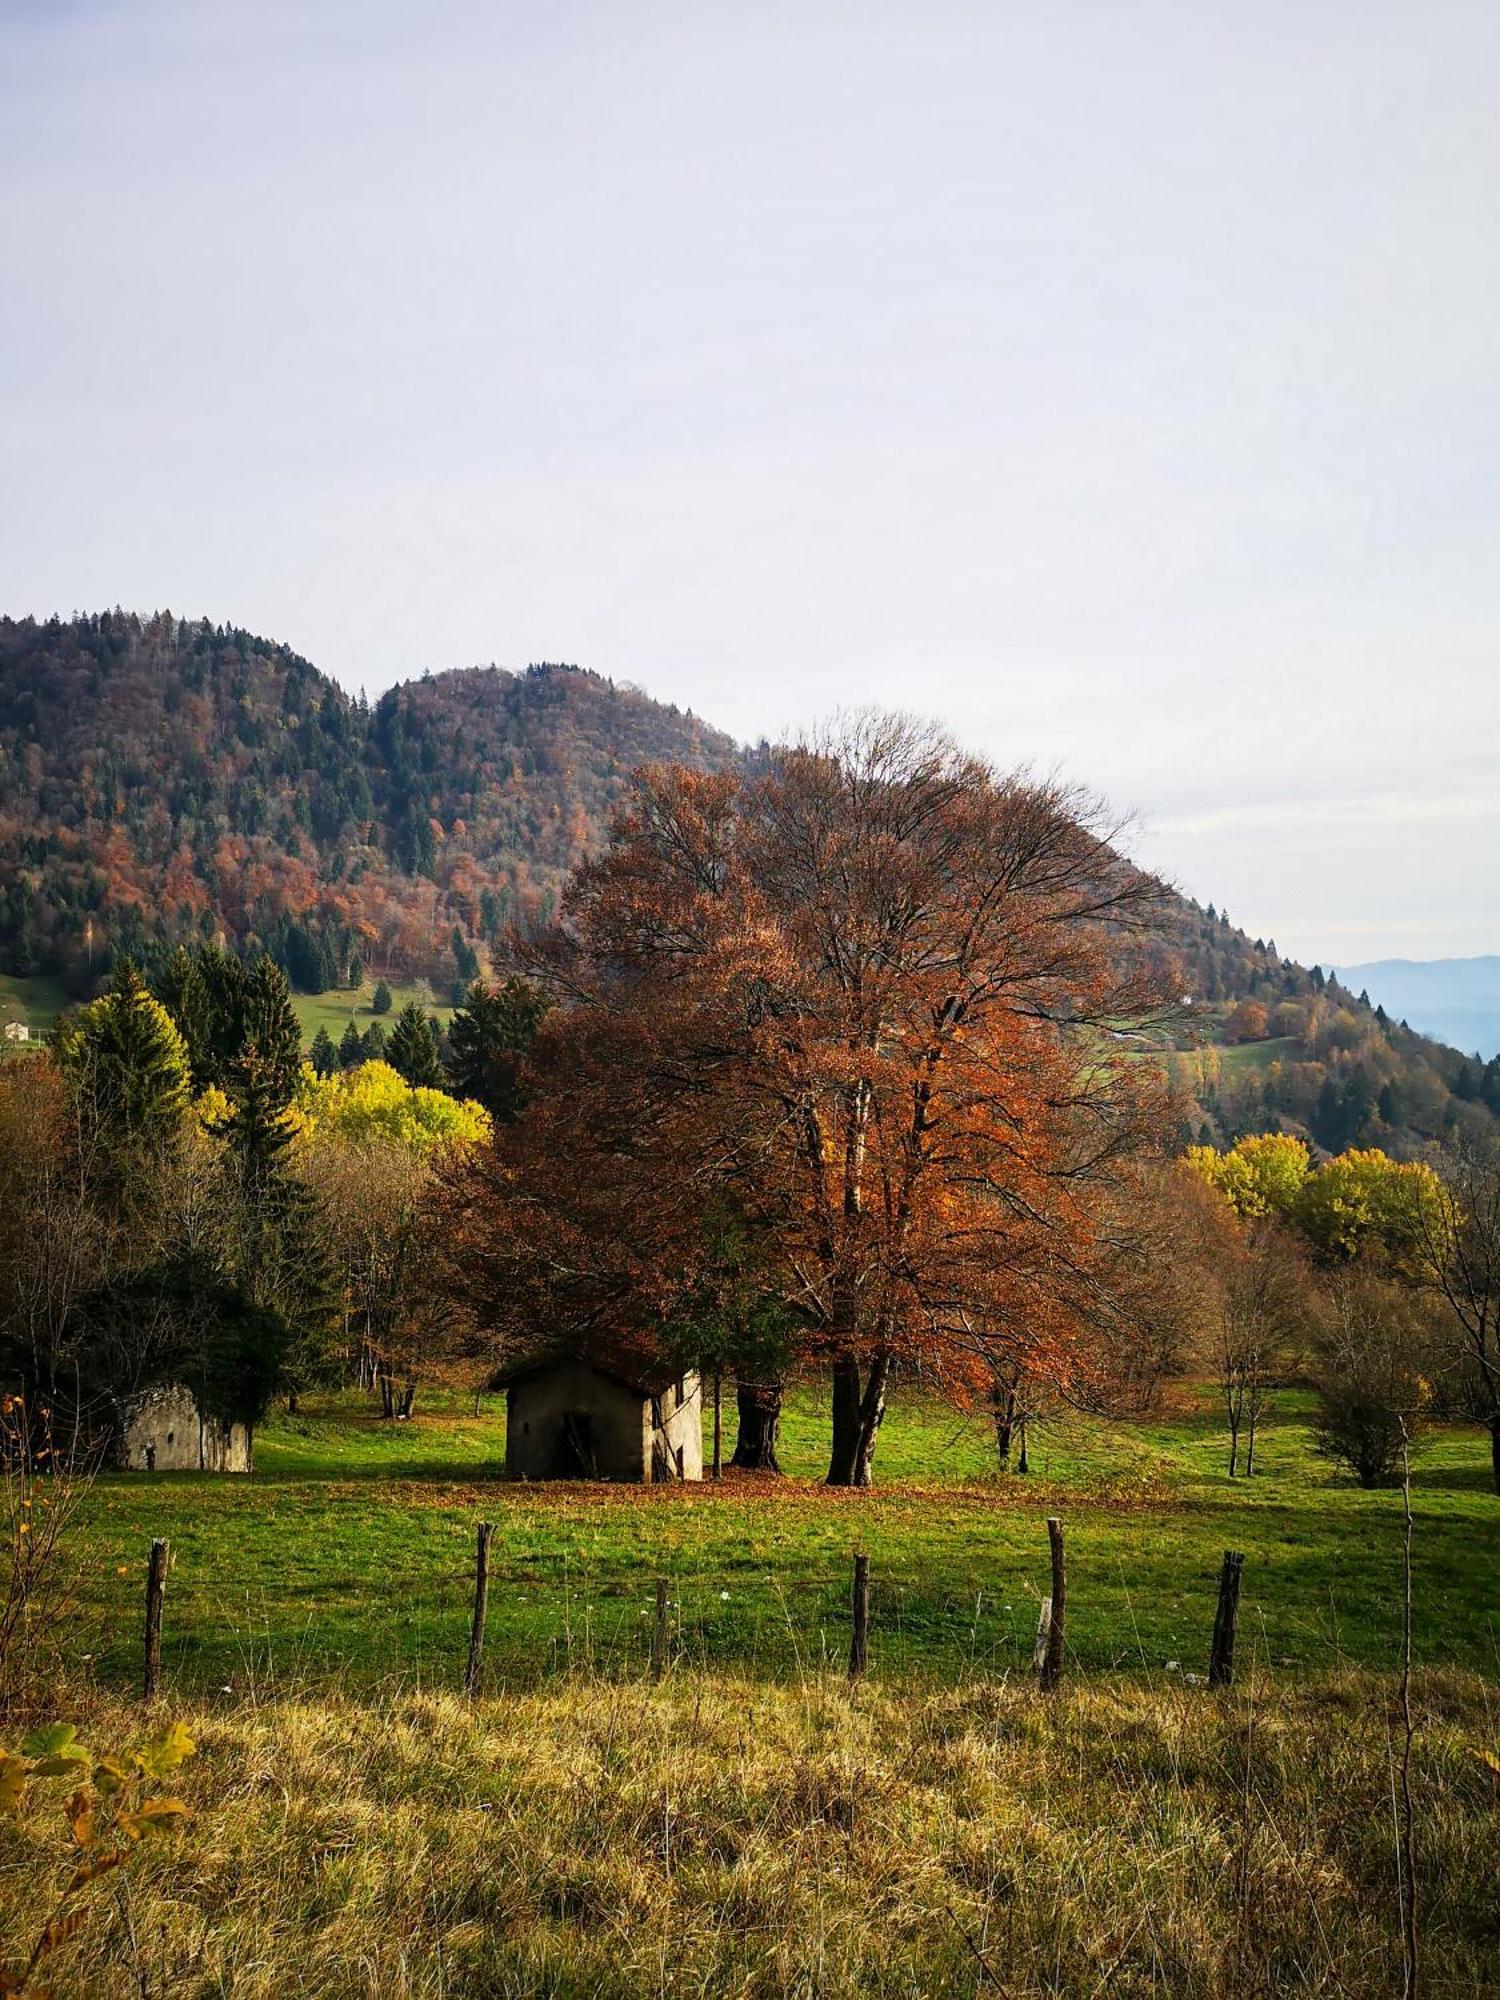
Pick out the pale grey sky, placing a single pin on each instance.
(1118, 382)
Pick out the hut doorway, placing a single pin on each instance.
(574, 1456)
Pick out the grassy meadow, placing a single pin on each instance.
(346, 1558)
(38, 1002)
(722, 1835)
(754, 1825)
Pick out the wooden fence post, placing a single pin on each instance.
(156, 1583)
(481, 1604)
(1043, 1627)
(859, 1636)
(1221, 1659)
(1052, 1658)
(659, 1632)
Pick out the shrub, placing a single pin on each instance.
(1372, 1391)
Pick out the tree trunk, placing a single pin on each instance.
(387, 1394)
(408, 1399)
(1495, 1448)
(858, 1409)
(872, 1415)
(1234, 1449)
(1024, 1465)
(759, 1406)
(1003, 1405)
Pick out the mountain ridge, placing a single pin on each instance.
(1456, 1000)
(166, 780)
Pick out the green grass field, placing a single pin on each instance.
(335, 1010)
(1259, 1055)
(756, 1825)
(38, 1002)
(345, 1559)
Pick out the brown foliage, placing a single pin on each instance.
(863, 999)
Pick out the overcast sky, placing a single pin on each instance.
(1118, 382)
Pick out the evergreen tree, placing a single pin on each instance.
(351, 1048)
(413, 1050)
(356, 971)
(380, 1002)
(272, 1029)
(488, 1040)
(183, 991)
(223, 979)
(324, 1057)
(372, 1047)
(1466, 1083)
(128, 1066)
(284, 1268)
(463, 957)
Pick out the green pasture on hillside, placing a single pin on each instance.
(346, 1558)
(335, 1009)
(38, 1002)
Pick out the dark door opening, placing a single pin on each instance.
(573, 1455)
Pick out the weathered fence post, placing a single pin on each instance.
(860, 1635)
(1221, 1659)
(1043, 1627)
(1052, 1657)
(156, 1583)
(481, 1604)
(659, 1632)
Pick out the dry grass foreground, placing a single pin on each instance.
(728, 1837)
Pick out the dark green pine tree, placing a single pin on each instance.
(372, 1046)
(351, 1048)
(183, 991)
(380, 1002)
(488, 1041)
(356, 971)
(223, 979)
(324, 1056)
(413, 1050)
(464, 957)
(128, 1067)
(272, 1029)
(284, 1265)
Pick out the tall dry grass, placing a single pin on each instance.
(728, 1837)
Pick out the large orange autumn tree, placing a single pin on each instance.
(870, 1002)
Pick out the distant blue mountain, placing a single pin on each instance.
(1455, 999)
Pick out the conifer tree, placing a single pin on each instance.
(488, 1039)
(413, 1049)
(324, 1056)
(351, 1048)
(272, 1028)
(223, 978)
(380, 1002)
(182, 990)
(283, 1264)
(128, 1066)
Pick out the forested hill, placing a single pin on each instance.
(162, 780)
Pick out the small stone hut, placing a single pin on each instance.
(163, 1430)
(567, 1417)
